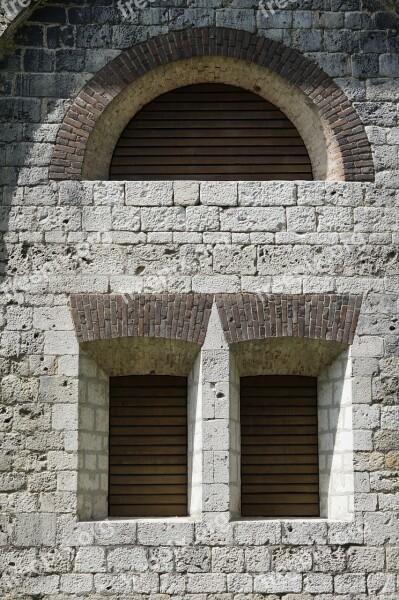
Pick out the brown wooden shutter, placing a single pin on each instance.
(279, 446)
(148, 446)
(210, 131)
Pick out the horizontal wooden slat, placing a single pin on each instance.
(150, 440)
(281, 410)
(267, 479)
(277, 392)
(117, 450)
(148, 446)
(305, 487)
(283, 510)
(289, 381)
(140, 489)
(194, 160)
(151, 498)
(279, 446)
(257, 462)
(161, 393)
(270, 150)
(273, 449)
(141, 430)
(215, 177)
(153, 421)
(270, 439)
(234, 116)
(211, 169)
(251, 420)
(216, 125)
(273, 430)
(142, 381)
(155, 139)
(210, 131)
(279, 497)
(152, 479)
(137, 411)
(145, 510)
(145, 462)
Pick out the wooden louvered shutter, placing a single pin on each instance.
(210, 131)
(279, 447)
(148, 446)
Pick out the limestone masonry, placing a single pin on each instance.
(210, 280)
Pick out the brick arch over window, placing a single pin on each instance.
(183, 317)
(325, 118)
(251, 317)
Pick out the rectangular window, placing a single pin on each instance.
(279, 446)
(148, 446)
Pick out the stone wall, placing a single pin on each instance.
(98, 237)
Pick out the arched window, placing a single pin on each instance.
(210, 132)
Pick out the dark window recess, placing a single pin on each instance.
(279, 447)
(210, 131)
(148, 446)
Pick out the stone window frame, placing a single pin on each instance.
(324, 324)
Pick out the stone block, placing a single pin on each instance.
(126, 218)
(193, 559)
(304, 533)
(219, 193)
(292, 559)
(35, 530)
(108, 193)
(202, 583)
(202, 218)
(172, 584)
(149, 193)
(127, 559)
(186, 193)
(328, 558)
(163, 219)
(215, 497)
(228, 560)
(105, 583)
(301, 219)
(257, 560)
(318, 583)
(257, 534)
(234, 259)
(166, 534)
(366, 559)
(278, 583)
(266, 193)
(65, 416)
(251, 219)
(350, 583)
(96, 219)
(161, 559)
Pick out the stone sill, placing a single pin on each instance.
(290, 520)
(146, 520)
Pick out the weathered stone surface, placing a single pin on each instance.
(192, 239)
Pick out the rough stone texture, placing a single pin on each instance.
(283, 238)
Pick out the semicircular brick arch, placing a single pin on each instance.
(347, 142)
